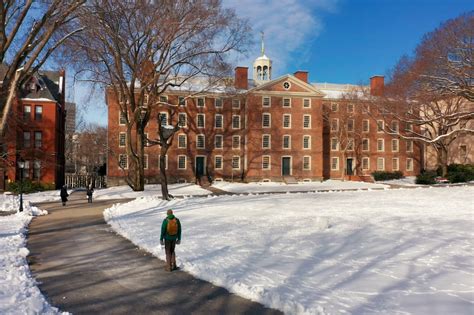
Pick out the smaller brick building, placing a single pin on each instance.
(35, 132)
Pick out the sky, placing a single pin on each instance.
(337, 41)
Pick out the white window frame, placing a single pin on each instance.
(395, 124)
(397, 168)
(185, 162)
(309, 162)
(222, 142)
(233, 127)
(410, 169)
(222, 121)
(397, 144)
(124, 134)
(269, 101)
(337, 144)
(126, 161)
(380, 126)
(269, 162)
(215, 102)
(366, 158)
(383, 164)
(309, 142)
(185, 120)
(289, 121)
(363, 125)
(309, 102)
(182, 135)
(351, 107)
(184, 99)
(334, 107)
(162, 98)
(283, 142)
(236, 157)
(167, 118)
(203, 141)
(368, 144)
(234, 137)
(269, 120)
(215, 162)
(234, 102)
(336, 128)
(380, 140)
(269, 141)
(409, 145)
(124, 119)
(304, 121)
(203, 120)
(335, 158)
(283, 102)
(145, 161)
(203, 102)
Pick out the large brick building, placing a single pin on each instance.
(35, 131)
(265, 130)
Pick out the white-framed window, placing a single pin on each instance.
(218, 102)
(380, 145)
(145, 161)
(146, 141)
(286, 120)
(266, 141)
(286, 142)
(122, 118)
(218, 165)
(235, 103)
(306, 121)
(334, 163)
(286, 102)
(266, 120)
(201, 120)
(122, 139)
(182, 159)
(200, 141)
(27, 112)
(200, 102)
(235, 142)
(306, 163)
(218, 141)
(394, 126)
(266, 101)
(306, 142)
(395, 164)
(236, 162)
(365, 144)
(219, 121)
(395, 145)
(365, 125)
(350, 108)
(182, 120)
(36, 170)
(181, 101)
(182, 141)
(306, 103)
(350, 125)
(166, 162)
(350, 144)
(123, 161)
(408, 127)
(409, 145)
(266, 162)
(380, 126)
(163, 118)
(365, 163)
(409, 164)
(163, 99)
(335, 124)
(334, 144)
(380, 164)
(235, 122)
(334, 107)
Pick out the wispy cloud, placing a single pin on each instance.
(289, 26)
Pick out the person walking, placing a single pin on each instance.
(170, 236)
(64, 194)
(89, 193)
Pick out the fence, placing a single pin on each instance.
(82, 181)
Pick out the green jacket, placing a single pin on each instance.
(164, 225)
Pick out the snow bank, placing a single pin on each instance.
(117, 192)
(18, 291)
(405, 251)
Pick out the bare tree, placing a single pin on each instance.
(30, 32)
(90, 148)
(140, 49)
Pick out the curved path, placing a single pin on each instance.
(83, 267)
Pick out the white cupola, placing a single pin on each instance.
(262, 67)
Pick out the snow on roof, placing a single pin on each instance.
(339, 91)
(40, 99)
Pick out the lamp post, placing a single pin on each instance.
(21, 166)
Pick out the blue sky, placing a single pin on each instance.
(337, 41)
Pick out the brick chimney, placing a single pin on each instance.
(376, 85)
(302, 75)
(241, 78)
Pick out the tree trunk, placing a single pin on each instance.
(443, 160)
(136, 173)
(163, 179)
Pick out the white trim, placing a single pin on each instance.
(222, 121)
(185, 120)
(145, 161)
(222, 141)
(310, 121)
(269, 141)
(309, 102)
(233, 101)
(398, 145)
(269, 120)
(203, 120)
(368, 144)
(124, 140)
(368, 125)
(185, 162)
(336, 158)
(309, 157)
(215, 102)
(239, 139)
(203, 102)
(232, 162)
(309, 142)
(398, 164)
(337, 144)
(269, 101)
(380, 127)
(412, 165)
(337, 125)
(126, 161)
(283, 102)
(233, 122)
(185, 141)
(381, 140)
(195, 164)
(283, 142)
(269, 162)
(383, 164)
(289, 121)
(203, 141)
(368, 163)
(222, 162)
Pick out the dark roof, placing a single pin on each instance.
(47, 86)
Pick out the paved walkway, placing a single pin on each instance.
(83, 267)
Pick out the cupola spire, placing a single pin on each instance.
(262, 66)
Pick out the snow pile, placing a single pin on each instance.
(18, 291)
(117, 192)
(262, 187)
(12, 203)
(405, 251)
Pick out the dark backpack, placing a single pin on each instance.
(172, 227)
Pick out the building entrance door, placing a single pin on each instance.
(286, 166)
(199, 166)
(349, 163)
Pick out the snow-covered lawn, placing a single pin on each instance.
(18, 291)
(405, 251)
(117, 192)
(282, 187)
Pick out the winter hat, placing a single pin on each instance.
(169, 212)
